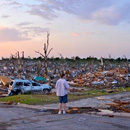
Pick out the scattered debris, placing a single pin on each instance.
(4, 125)
(82, 119)
(75, 110)
(5, 80)
(25, 122)
(79, 110)
(106, 112)
(111, 115)
(120, 106)
(76, 90)
(9, 103)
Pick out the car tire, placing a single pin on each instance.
(10, 94)
(19, 93)
(46, 91)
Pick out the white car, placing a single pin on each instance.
(19, 86)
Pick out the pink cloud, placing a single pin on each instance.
(82, 33)
(75, 34)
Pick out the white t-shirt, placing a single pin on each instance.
(61, 87)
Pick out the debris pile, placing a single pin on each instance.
(80, 74)
(5, 80)
(111, 78)
(76, 90)
(76, 110)
(79, 110)
(120, 106)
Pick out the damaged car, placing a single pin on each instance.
(23, 86)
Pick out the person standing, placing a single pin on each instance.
(62, 87)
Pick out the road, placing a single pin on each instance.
(33, 117)
(19, 118)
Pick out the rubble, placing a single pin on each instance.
(42, 79)
(120, 106)
(76, 90)
(82, 74)
(76, 110)
(79, 110)
(5, 80)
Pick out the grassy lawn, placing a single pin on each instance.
(40, 99)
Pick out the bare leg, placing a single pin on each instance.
(64, 106)
(60, 106)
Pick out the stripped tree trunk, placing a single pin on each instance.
(46, 53)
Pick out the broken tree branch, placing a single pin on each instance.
(48, 34)
(49, 51)
(40, 53)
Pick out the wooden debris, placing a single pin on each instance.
(118, 105)
(5, 80)
(9, 103)
(79, 110)
(121, 103)
(111, 115)
(76, 90)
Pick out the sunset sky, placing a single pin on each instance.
(77, 27)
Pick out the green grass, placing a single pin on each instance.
(31, 99)
(40, 99)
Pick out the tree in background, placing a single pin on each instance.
(46, 52)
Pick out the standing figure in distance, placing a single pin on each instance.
(62, 87)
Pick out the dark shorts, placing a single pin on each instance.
(63, 99)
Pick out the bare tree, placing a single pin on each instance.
(127, 64)
(102, 64)
(62, 65)
(12, 56)
(16, 60)
(61, 56)
(46, 53)
(22, 54)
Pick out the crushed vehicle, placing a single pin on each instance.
(19, 86)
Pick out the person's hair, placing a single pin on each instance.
(62, 75)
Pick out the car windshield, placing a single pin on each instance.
(18, 84)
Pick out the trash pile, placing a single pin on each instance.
(80, 110)
(117, 104)
(75, 110)
(111, 78)
(120, 106)
(81, 74)
(5, 80)
(22, 69)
